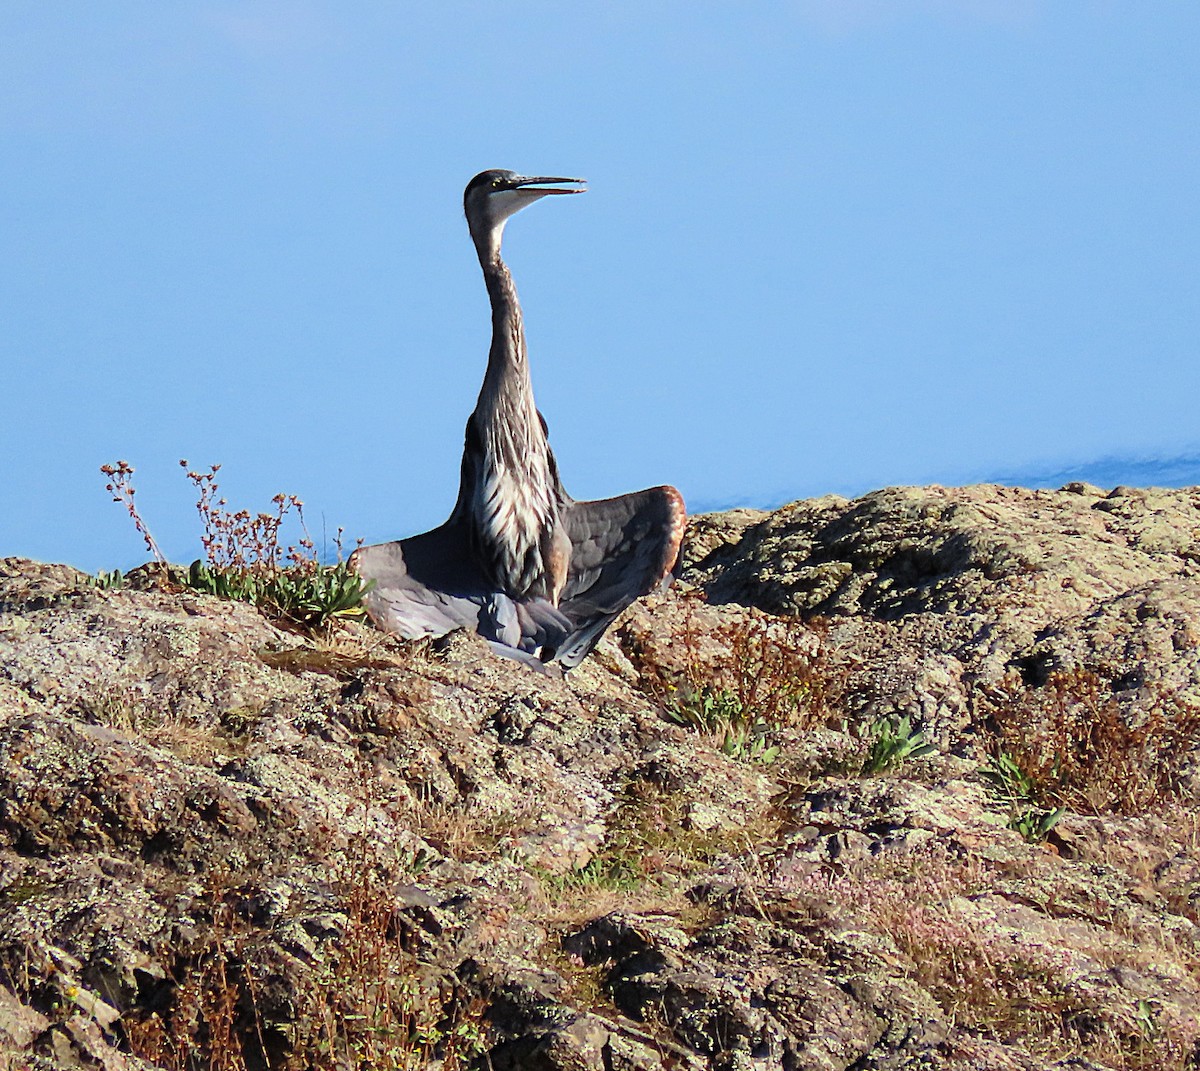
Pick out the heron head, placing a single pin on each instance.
(492, 196)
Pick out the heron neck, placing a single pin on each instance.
(509, 494)
(507, 373)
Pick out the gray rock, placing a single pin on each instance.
(217, 833)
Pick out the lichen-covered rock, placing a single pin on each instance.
(843, 798)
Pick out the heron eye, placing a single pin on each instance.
(496, 183)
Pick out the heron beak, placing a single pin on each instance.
(540, 185)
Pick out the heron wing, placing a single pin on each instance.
(430, 584)
(621, 549)
(424, 586)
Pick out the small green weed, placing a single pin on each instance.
(1145, 1019)
(1035, 824)
(1007, 779)
(416, 861)
(310, 595)
(615, 872)
(894, 741)
(719, 712)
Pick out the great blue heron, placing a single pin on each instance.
(536, 573)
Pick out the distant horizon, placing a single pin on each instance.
(1181, 470)
(1108, 472)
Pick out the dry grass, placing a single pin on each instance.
(651, 853)
(191, 736)
(369, 1005)
(779, 668)
(747, 680)
(336, 652)
(586, 988)
(1077, 749)
(364, 1003)
(1001, 983)
(465, 831)
(207, 1024)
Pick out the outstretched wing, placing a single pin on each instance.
(621, 548)
(431, 584)
(424, 586)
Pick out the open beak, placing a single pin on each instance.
(542, 185)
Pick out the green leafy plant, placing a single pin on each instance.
(1035, 824)
(246, 559)
(1012, 785)
(705, 709)
(308, 595)
(894, 741)
(750, 743)
(720, 712)
(1007, 779)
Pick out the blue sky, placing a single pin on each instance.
(828, 246)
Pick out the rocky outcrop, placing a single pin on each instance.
(226, 844)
